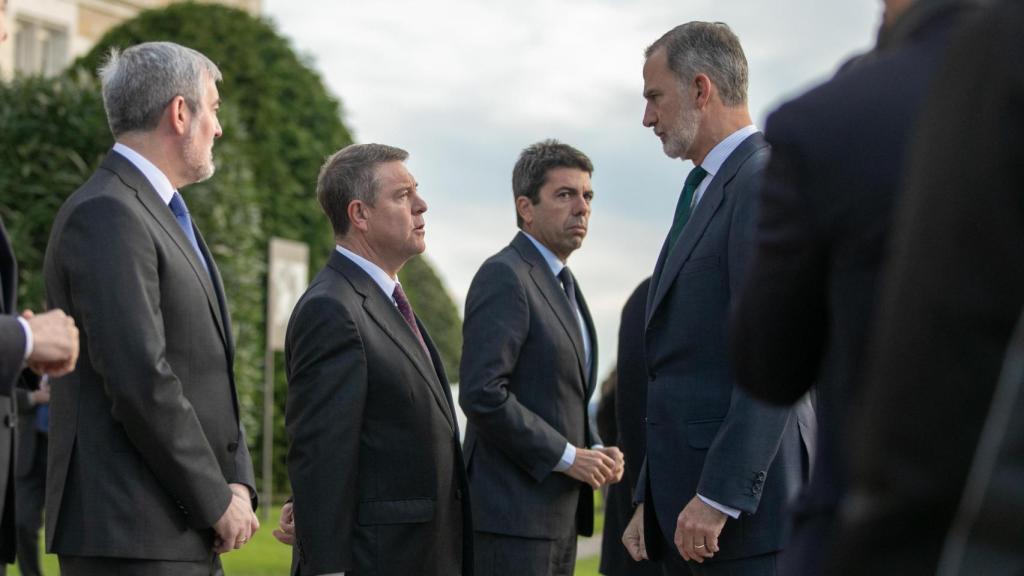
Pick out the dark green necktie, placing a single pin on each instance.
(683, 208)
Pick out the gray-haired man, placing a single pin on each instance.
(720, 466)
(149, 470)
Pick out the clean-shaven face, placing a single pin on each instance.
(395, 227)
(560, 217)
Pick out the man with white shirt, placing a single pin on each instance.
(377, 477)
(149, 472)
(529, 361)
(720, 466)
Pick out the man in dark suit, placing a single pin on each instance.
(950, 297)
(149, 472)
(47, 342)
(630, 402)
(529, 362)
(720, 465)
(804, 310)
(377, 476)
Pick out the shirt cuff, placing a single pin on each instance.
(568, 458)
(727, 510)
(28, 336)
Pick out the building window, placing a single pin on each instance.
(39, 49)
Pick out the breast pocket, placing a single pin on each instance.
(697, 265)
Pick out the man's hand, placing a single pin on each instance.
(42, 395)
(238, 523)
(633, 536)
(697, 530)
(620, 463)
(54, 342)
(286, 533)
(591, 467)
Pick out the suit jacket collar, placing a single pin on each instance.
(551, 288)
(668, 267)
(382, 311)
(132, 177)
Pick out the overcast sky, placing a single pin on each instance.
(465, 85)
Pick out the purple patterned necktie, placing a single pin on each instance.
(405, 309)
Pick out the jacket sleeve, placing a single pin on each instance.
(12, 352)
(114, 283)
(327, 388)
(496, 325)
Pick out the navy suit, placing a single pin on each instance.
(803, 314)
(704, 434)
(12, 358)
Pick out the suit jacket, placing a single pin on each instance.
(630, 404)
(950, 297)
(12, 359)
(373, 452)
(825, 209)
(144, 434)
(704, 434)
(524, 391)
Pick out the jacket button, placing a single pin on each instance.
(232, 446)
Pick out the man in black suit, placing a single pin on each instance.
(803, 313)
(529, 362)
(720, 466)
(47, 342)
(950, 296)
(149, 472)
(377, 476)
(630, 402)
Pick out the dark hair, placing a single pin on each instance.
(531, 170)
(350, 174)
(708, 48)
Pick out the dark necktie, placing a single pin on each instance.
(684, 206)
(180, 211)
(405, 309)
(569, 285)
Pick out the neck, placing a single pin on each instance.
(157, 151)
(358, 245)
(716, 126)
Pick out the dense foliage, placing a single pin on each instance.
(279, 124)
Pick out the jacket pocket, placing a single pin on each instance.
(701, 433)
(699, 265)
(411, 511)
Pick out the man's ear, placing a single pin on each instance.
(702, 88)
(358, 215)
(178, 115)
(524, 207)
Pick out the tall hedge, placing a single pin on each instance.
(279, 124)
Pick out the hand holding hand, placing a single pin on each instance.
(591, 467)
(697, 530)
(633, 536)
(286, 533)
(54, 342)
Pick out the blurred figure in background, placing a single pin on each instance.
(804, 311)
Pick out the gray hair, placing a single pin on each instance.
(350, 174)
(139, 83)
(709, 48)
(531, 170)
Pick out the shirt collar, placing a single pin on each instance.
(717, 156)
(380, 277)
(157, 179)
(554, 263)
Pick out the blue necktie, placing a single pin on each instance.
(180, 211)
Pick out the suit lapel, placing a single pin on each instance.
(150, 199)
(669, 264)
(383, 312)
(589, 322)
(551, 289)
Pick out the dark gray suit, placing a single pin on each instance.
(373, 447)
(144, 435)
(524, 390)
(704, 434)
(12, 360)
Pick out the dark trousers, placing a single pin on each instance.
(93, 566)
(503, 555)
(30, 489)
